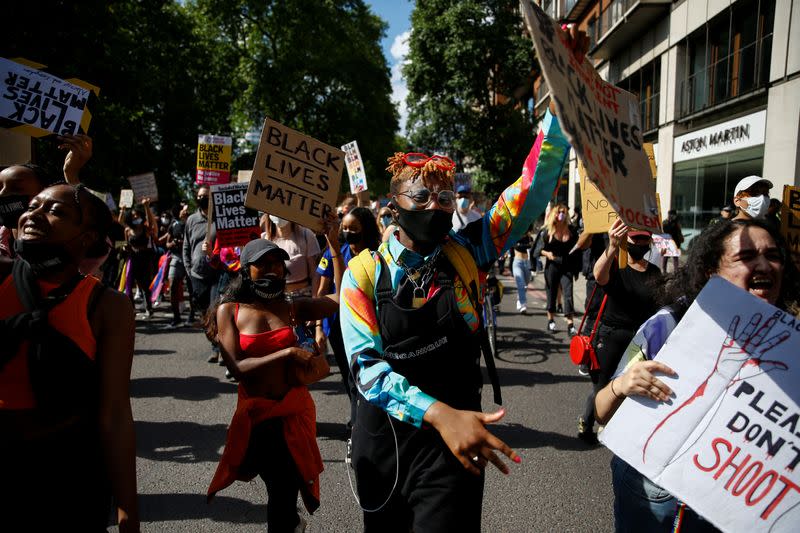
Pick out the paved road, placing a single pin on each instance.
(182, 406)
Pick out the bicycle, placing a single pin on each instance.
(490, 312)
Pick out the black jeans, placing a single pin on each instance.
(610, 345)
(555, 275)
(434, 492)
(268, 455)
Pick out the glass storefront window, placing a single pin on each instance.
(702, 187)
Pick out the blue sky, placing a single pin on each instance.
(395, 45)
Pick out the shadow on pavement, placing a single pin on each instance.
(332, 431)
(176, 507)
(152, 351)
(329, 386)
(510, 377)
(179, 442)
(519, 436)
(196, 388)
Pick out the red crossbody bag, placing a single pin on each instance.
(581, 350)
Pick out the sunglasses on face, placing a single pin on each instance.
(418, 160)
(423, 197)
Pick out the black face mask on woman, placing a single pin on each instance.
(42, 256)
(425, 226)
(350, 237)
(267, 288)
(637, 251)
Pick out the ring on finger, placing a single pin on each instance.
(475, 459)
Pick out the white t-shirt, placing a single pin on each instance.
(460, 220)
(301, 244)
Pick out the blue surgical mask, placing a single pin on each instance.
(386, 220)
(462, 203)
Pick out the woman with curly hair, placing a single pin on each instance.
(750, 254)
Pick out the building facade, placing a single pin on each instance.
(719, 89)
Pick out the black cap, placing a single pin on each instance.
(255, 250)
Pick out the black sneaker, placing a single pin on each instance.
(559, 309)
(586, 434)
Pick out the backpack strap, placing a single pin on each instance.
(363, 268)
(467, 270)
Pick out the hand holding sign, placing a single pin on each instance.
(601, 121)
(79, 151)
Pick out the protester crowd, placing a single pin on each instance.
(393, 289)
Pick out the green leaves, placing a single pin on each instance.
(469, 80)
(170, 70)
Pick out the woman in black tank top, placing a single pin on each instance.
(139, 236)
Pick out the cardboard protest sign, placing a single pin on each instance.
(36, 103)
(244, 176)
(236, 225)
(355, 168)
(126, 198)
(651, 158)
(213, 159)
(598, 215)
(601, 121)
(790, 220)
(144, 186)
(727, 442)
(294, 176)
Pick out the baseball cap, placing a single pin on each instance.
(257, 248)
(463, 189)
(749, 181)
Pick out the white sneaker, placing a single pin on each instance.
(551, 326)
(522, 309)
(518, 306)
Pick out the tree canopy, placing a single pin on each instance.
(171, 70)
(470, 78)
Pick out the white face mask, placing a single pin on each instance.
(757, 206)
(278, 221)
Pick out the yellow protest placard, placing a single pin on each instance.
(651, 157)
(213, 159)
(790, 220)
(598, 214)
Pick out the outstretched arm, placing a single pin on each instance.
(520, 204)
(114, 356)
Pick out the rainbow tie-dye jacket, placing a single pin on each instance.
(502, 226)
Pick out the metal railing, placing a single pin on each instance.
(732, 76)
(612, 14)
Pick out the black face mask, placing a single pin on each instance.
(11, 208)
(637, 251)
(426, 226)
(268, 288)
(350, 237)
(42, 256)
(202, 203)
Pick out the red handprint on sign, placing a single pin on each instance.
(738, 350)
